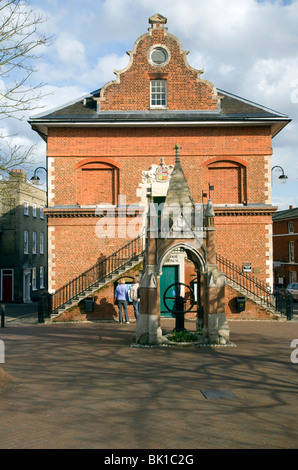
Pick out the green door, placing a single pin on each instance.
(169, 276)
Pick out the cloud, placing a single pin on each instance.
(102, 71)
(69, 50)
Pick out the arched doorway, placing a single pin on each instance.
(184, 264)
(181, 230)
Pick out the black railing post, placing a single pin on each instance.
(2, 316)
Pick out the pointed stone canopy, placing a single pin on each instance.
(179, 228)
(178, 192)
(179, 207)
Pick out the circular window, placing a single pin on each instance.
(159, 56)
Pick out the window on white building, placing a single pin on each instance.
(26, 242)
(26, 208)
(34, 272)
(41, 212)
(41, 277)
(34, 209)
(41, 243)
(34, 243)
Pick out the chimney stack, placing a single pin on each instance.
(18, 175)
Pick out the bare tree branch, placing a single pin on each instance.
(19, 42)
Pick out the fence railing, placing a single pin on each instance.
(246, 281)
(97, 273)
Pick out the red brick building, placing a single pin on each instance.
(103, 151)
(285, 246)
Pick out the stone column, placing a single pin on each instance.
(148, 330)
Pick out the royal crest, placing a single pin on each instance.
(162, 173)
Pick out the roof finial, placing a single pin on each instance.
(157, 19)
(177, 148)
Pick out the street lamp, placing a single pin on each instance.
(283, 178)
(35, 179)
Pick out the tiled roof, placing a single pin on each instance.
(233, 110)
(286, 214)
(232, 106)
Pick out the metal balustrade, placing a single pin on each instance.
(246, 281)
(99, 272)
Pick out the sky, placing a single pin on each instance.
(248, 48)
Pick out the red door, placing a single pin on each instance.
(7, 285)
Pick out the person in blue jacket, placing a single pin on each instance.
(121, 297)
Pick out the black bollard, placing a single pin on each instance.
(179, 306)
(2, 316)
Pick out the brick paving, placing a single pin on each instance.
(81, 386)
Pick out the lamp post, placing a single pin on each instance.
(282, 178)
(35, 179)
(43, 302)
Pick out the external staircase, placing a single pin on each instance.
(130, 255)
(245, 283)
(96, 277)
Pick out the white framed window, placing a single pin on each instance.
(26, 242)
(41, 277)
(34, 272)
(26, 208)
(34, 243)
(34, 210)
(158, 93)
(291, 252)
(41, 240)
(41, 213)
(291, 227)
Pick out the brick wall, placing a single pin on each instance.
(243, 238)
(137, 149)
(131, 90)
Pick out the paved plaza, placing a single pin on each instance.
(82, 386)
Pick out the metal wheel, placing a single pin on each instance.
(178, 298)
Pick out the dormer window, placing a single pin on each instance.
(158, 93)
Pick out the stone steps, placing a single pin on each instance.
(96, 286)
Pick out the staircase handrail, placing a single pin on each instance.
(96, 273)
(246, 281)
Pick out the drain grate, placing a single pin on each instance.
(212, 394)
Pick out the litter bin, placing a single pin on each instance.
(89, 304)
(240, 304)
